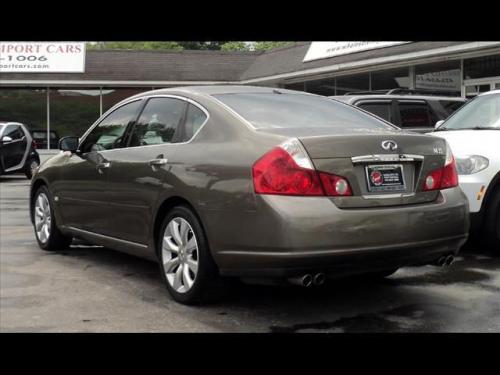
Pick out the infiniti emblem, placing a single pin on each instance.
(389, 145)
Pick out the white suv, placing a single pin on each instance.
(473, 133)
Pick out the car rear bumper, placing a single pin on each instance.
(341, 262)
(288, 235)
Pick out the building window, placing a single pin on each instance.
(111, 96)
(325, 86)
(72, 111)
(441, 77)
(390, 79)
(351, 84)
(299, 86)
(27, 106)
(487, 66)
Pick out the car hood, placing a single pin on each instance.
(472, 142)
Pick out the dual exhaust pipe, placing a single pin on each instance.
(319, 278)
(445, 260)
(308, 280)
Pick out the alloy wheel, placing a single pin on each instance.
(180, 255)
(43, 218)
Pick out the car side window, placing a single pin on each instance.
(13, 131)
(159, 122)
(380, 109)
(109, 134)
(195, 118)
(415, 114)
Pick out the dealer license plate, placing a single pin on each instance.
(385, 177)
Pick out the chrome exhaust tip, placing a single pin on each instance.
(449, 260)
(441, 262)
(304, 280)
(319, 279)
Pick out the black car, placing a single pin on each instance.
(17, 150)
(413, 110)
(40, 138)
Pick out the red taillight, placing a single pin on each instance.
(278, 173)
(442, 178)
(335, 185)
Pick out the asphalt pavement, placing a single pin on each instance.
(93, 289)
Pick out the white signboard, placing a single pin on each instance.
(42, 57)
(324, 50)
(448, 80)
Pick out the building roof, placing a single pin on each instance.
(164, 68)
(153, 65)
(289, 59)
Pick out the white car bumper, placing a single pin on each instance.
(474, 187)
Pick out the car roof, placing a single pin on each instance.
(353, 98)
(219, 89)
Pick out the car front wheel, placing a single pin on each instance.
(47, 234)
(186, 265)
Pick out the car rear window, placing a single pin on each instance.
(40, 134)
(282, 110)
(380, 109)
(414, 114)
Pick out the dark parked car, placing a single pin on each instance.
(252, 182)
(17, 150)
(405, 108)
(40, 138)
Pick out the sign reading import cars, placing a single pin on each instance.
(42, 57)
(324, 50)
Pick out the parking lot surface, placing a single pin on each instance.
(92, 289)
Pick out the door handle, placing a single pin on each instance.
(102, 166)
(156, 162)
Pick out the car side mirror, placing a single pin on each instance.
(438, 124)
(69, 144)
(6, 139)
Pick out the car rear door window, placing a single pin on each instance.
(415, 114)
(110, 133)
(380, 109)
(159, 122)
(195, 118)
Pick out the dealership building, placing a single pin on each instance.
(69, 95)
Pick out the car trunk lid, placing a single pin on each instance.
(383, 168)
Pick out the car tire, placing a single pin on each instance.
(47, 234)
(31, 165)
(491, 229)
(189, 272)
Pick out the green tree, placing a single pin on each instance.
(265, 46)
(190, 45)
(235, 46)
(135, 45)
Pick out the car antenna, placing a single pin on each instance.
(276, 91)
